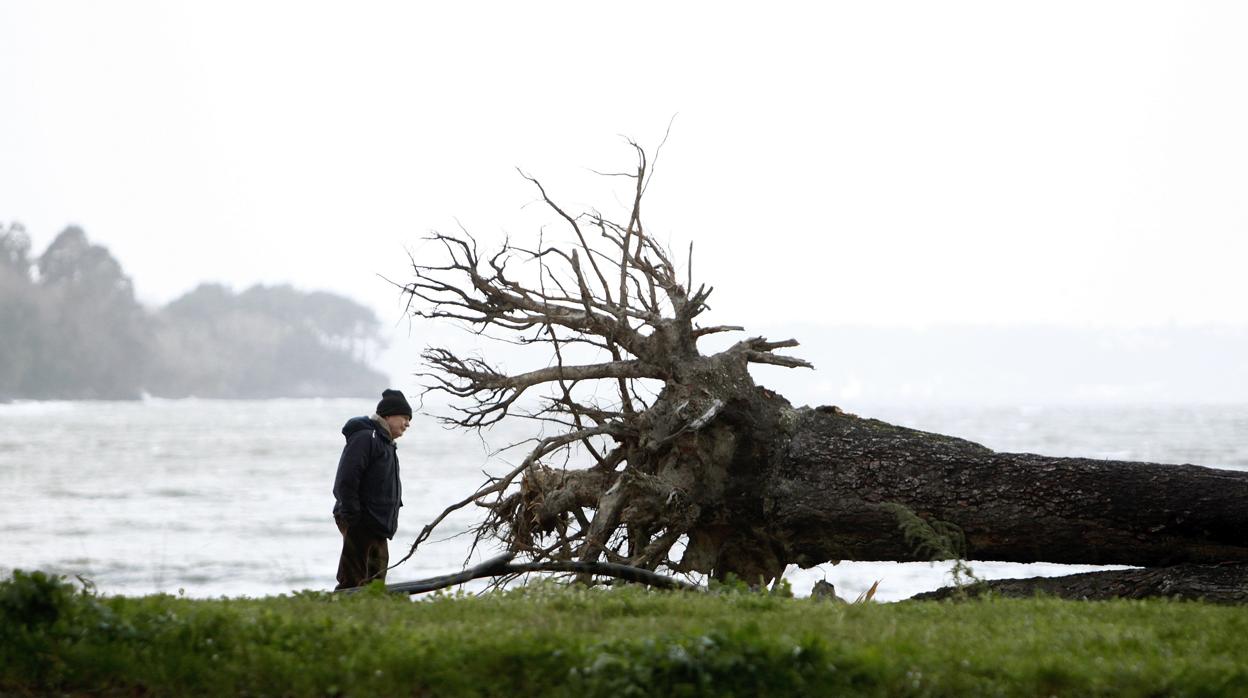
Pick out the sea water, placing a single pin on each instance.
(220, 497)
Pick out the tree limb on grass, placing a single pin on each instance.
(502, 566)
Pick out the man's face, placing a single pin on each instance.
(398, 424)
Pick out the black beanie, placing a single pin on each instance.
(392, 403)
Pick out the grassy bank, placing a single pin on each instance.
(549, 640)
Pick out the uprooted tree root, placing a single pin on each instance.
(626, 478)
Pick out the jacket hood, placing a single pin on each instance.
(360, 424)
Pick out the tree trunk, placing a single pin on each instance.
(1212, 583)
(832, 486)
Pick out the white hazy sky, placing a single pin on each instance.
(890, 163)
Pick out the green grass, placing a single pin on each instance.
(551, 640)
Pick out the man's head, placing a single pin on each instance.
(394, 409)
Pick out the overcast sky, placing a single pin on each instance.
(889, 163)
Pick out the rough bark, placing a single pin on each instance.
(828, 497)
(1212, 583)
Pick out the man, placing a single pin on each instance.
(367, 491)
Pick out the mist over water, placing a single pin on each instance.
(220, 497)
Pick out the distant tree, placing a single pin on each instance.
(71, 328)
(265, 342)
(19, 310)
(92, 334)
(14, 250)
(333, 320)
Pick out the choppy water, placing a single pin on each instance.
(233, 497)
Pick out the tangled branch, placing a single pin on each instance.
(616, 292)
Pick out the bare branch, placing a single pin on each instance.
(703, 331)
(497, 485)
(758, 350)
(575, 227)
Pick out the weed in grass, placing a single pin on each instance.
(937, 540)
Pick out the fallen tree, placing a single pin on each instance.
(851, 488)
(658, 456)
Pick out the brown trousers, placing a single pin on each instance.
(364, 558)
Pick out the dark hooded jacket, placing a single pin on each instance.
(367, 489)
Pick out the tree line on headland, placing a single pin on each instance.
(71, 328)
